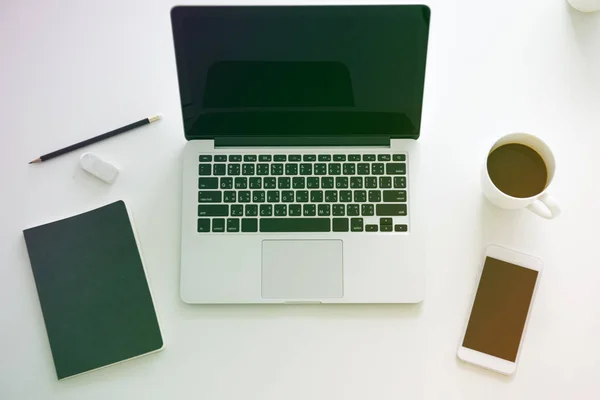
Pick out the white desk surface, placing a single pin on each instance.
(71, 70)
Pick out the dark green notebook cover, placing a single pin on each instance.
(93, 290)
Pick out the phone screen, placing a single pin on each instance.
(500, 309)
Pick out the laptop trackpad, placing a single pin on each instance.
(302, 269)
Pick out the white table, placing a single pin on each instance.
(70, 71)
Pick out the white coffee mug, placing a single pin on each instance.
(542, 203)
(585, 5)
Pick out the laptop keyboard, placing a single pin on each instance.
(302, 193)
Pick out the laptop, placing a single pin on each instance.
(300, 172)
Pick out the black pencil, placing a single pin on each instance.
(95, 139)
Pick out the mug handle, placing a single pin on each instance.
(546, 206)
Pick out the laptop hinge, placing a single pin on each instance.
(302, 141)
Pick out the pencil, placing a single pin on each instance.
(95, 139)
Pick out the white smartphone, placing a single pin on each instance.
(501, 305)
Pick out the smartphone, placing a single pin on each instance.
(501, 306)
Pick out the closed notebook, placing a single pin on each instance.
(93, 290)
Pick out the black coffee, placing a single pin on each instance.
(517, 170)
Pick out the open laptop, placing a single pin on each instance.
(300, 173)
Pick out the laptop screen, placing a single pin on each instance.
(301, 70)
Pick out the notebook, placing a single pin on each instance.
(93, 290)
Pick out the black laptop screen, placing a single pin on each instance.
(301, 70)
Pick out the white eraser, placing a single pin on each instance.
(96, 166)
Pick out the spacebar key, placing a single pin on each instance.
(295, 224)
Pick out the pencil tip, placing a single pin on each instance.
(37, 160)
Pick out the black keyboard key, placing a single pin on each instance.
(295, 210)
(218, 224)
(264, 157)
(255, 183)
(276, 169)
(388, 209)
(249, 225)
(262, 169)
(335, 169)
(273, 196)
(305, 169)
(280, 210)
(295, 225)
(356, 182)
(345, 196)
(341, 224)
(370, 182)
(209, 196)
(244, 196)
(385, 182)
(221, 158)
(249, 158)
(258, 196)
(324, 210)
(312, 183)
(298, 182)
(287, 196)
(331, 196)
(279, 157)
(374, 196)
(394, 196)
(241, 183)
(208, 183)
(270, 183)
(401, 228)
(237, 210)
(399, 157)
(377, 169)
(233, 224)
(235, 158)
(339, 157)
(251, 210)
(309, 210)
(233, 169)
(349, 169)
(352, 210)
(363, 169)
(327, 182)
(367, 210)
(205, 158)
(383, 157)
(400, 182)
(248, 169)
(266, 210)
(219, 169)
(354, 157)
(203, 224)
(339, 210)
(229, 196)
(395, 169)
(204, 169)
(316, 196)
(291, 169)
(368, 157)
(356, 224)
(360, 196)
(295, 157)
(386, 221)
(324, 157)
(320, 169)
(284, 182)
(371, 228)
(386, 228)
(302, 196)
(341, 182)
(213, 210)
(309, 157)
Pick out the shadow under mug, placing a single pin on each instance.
(542, 203)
